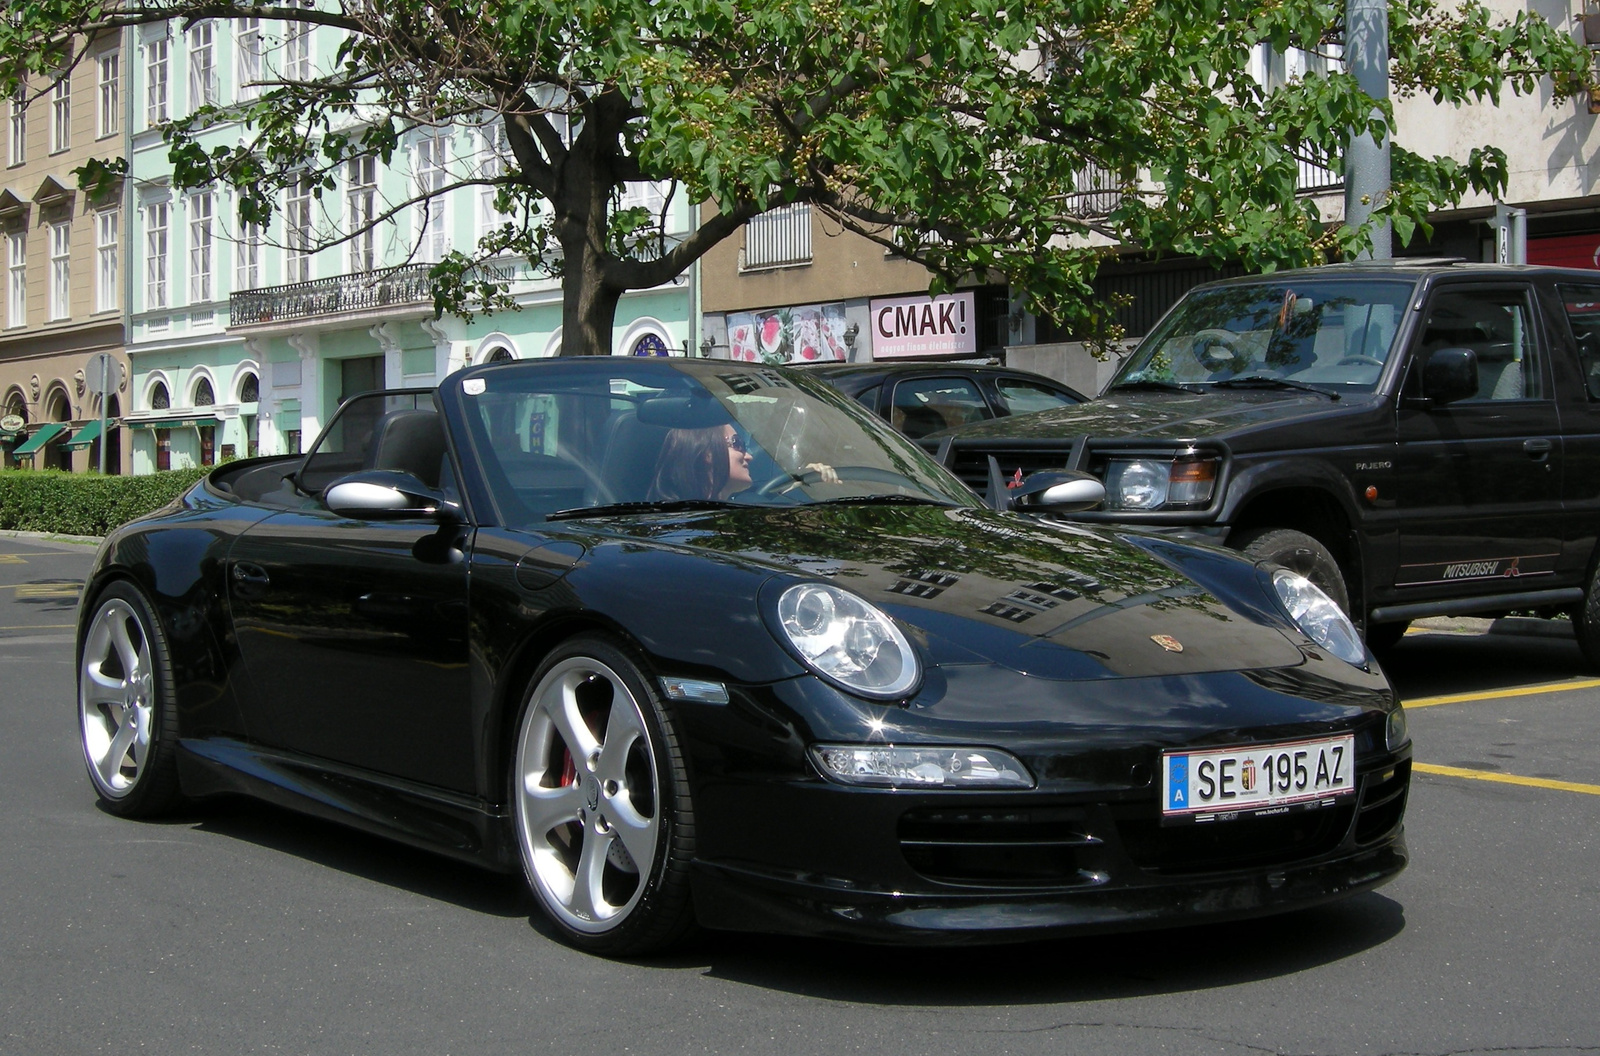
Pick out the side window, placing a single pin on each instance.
(1019, 396)
(1582, 304)
(868, 398)
(380, 431)
(1497, 325)
(927, 405)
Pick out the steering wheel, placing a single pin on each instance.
(785, 482)
(1366, 361)
(1205, 342)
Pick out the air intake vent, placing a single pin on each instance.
(1024, 848)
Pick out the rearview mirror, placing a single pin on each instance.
(1064, 492)
(1450, 374)
(382, 494)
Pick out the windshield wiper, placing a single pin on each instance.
(1160, 386)
(1263, 381)
(618, 508)
(884, 500)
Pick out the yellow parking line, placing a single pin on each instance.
(1500, 694)
(1506, 779)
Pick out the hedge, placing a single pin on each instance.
(85, 503)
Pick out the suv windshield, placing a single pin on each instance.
(1330, 334)
(604, 437)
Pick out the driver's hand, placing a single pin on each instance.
(823, 470)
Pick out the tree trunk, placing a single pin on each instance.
(588, 305)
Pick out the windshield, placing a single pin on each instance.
(1335, 334)
(609, 436)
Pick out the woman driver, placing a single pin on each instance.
(701, 464)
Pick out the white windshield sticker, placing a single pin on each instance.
(473, 386)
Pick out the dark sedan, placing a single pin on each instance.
(923, 398)
(697, 643)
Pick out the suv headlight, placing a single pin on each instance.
(1319, 616)
(1154, 483)
(848, 640)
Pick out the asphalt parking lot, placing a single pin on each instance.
(238, 928)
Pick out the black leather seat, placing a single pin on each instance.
(410, 441)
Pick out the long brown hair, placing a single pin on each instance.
(693, 464)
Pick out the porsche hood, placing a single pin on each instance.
(1053, 601)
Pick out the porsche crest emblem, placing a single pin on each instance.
(1167, 642)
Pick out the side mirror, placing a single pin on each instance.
(381, 494)
(1065, 492)
(1450, 374)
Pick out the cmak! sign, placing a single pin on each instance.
(924, 326)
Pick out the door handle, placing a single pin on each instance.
(1538, 450)
(250, 580)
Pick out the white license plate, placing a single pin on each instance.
(1260, 779)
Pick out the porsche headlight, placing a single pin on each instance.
(1319, 616)
(847, 640)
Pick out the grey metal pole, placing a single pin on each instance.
(105, 398)
(1366, 164)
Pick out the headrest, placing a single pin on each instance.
(699, 411)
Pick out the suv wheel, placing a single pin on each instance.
(1297, 552)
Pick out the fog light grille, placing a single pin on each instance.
(1024, 848)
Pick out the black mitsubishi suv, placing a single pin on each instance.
(1418, 438)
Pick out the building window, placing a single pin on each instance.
(250, 389)
(247, 50)
(61, 271)
(297, 261)
(779, 237)
(157, 109)
(163, 450)
(156, 255)
(61, 114)
(19, 126)
(204, 394)
(200, 242)
(247, 257)
(361, 194)
(160, 398)
(491, 166)
(297, 52)
(202, 66)
(107, 226)
(432, 240)
(16, 278)
(110, 93)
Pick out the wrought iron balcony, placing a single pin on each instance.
(356, 292)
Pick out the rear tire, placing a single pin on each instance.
(1297, 552)
(127, 706)
(1586, 622)
(601, 802)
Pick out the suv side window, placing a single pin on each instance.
(1019, 396)
(1497, 325)
(1582, 304)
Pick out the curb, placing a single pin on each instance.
(1505, 626)
(51, 537)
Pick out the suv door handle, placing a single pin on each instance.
(1538, 450)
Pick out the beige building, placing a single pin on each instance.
(62, 254)
(787, 274)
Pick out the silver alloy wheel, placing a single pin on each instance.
(116, 698)
(587, 803)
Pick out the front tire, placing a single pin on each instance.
(1300, 553)
(601, 800)
(127, 706)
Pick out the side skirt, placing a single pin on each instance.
(462, 827)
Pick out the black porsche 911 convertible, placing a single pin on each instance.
(701, 643)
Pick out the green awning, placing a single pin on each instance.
(173, 423)
(47, 432)
(84, 437)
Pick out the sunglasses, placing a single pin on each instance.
(737, 443)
